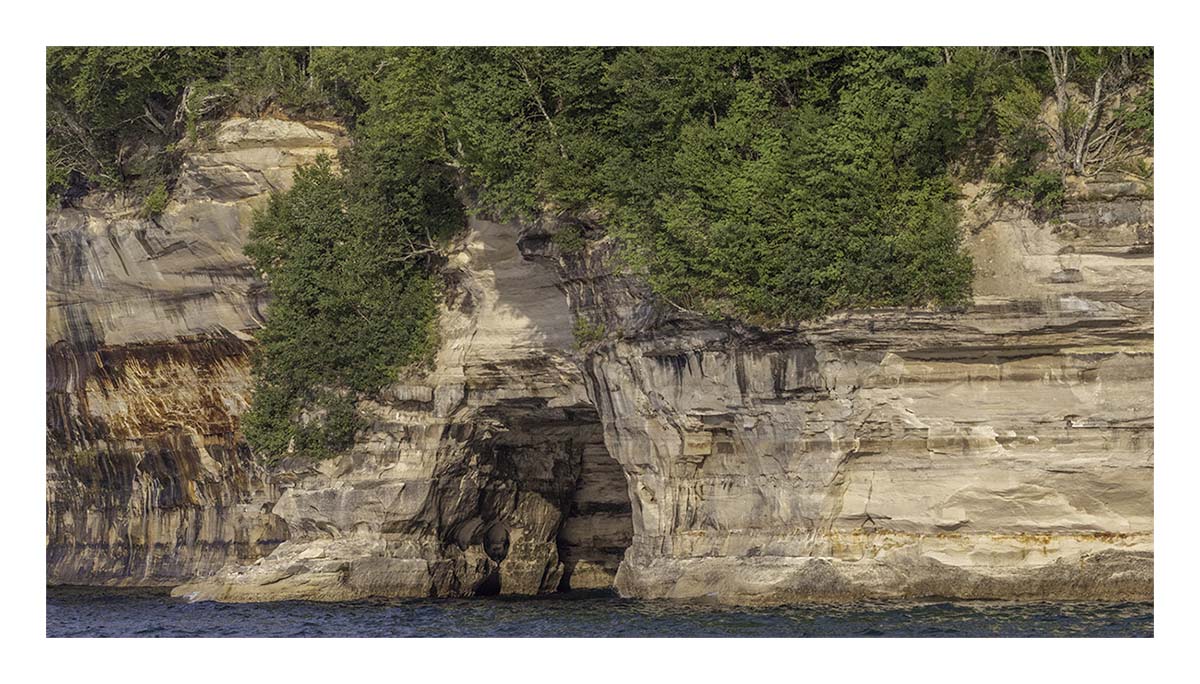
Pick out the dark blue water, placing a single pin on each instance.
(89, 612)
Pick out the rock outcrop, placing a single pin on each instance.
(1001, 450)
(147, 369)
(486, 475)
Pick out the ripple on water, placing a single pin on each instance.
(91, 612)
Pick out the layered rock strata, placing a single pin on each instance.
(1000, 450)
(147, 369)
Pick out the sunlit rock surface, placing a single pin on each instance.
(147, 369)
(1002, 450)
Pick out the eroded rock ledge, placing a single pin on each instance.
(1005, 450)
(1001, 451)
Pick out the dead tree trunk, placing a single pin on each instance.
(1086, 136)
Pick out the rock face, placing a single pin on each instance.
(486, 475)
(148, 480)
(1004, 450)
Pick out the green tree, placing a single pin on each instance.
(352, 301)
(113, 113)
(110, 111)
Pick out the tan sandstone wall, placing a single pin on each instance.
(1005, 450)
(147, 368)
(1002, 451)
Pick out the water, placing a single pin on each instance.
(91, 612)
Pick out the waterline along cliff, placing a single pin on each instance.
(572, 428)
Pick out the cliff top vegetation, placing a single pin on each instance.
(764, 184)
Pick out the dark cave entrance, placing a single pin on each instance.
(490, 586)
(597, 523)
(543, 491)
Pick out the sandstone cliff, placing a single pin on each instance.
(148, 480)
(1001, 451)
(486, 475)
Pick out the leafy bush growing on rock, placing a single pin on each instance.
(155, 202)
(588, 333)
(569, 239)
(353, 301)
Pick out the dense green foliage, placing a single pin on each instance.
(156, 201)
(1076, 110)
(352, 300)
(114, 114)
(101, 102)
(1021, 174)
(759, 183)
(587, 332)
(782, 183)
(764, 184)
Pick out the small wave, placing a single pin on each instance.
(142, 614)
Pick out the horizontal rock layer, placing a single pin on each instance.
(147, 369)
(1002, 450)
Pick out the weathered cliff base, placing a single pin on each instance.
(1106, 575)
(1000, 451)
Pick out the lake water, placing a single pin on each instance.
(91, 612)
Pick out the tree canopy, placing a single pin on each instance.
(763, 184)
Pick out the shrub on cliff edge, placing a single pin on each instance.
(352, 301)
